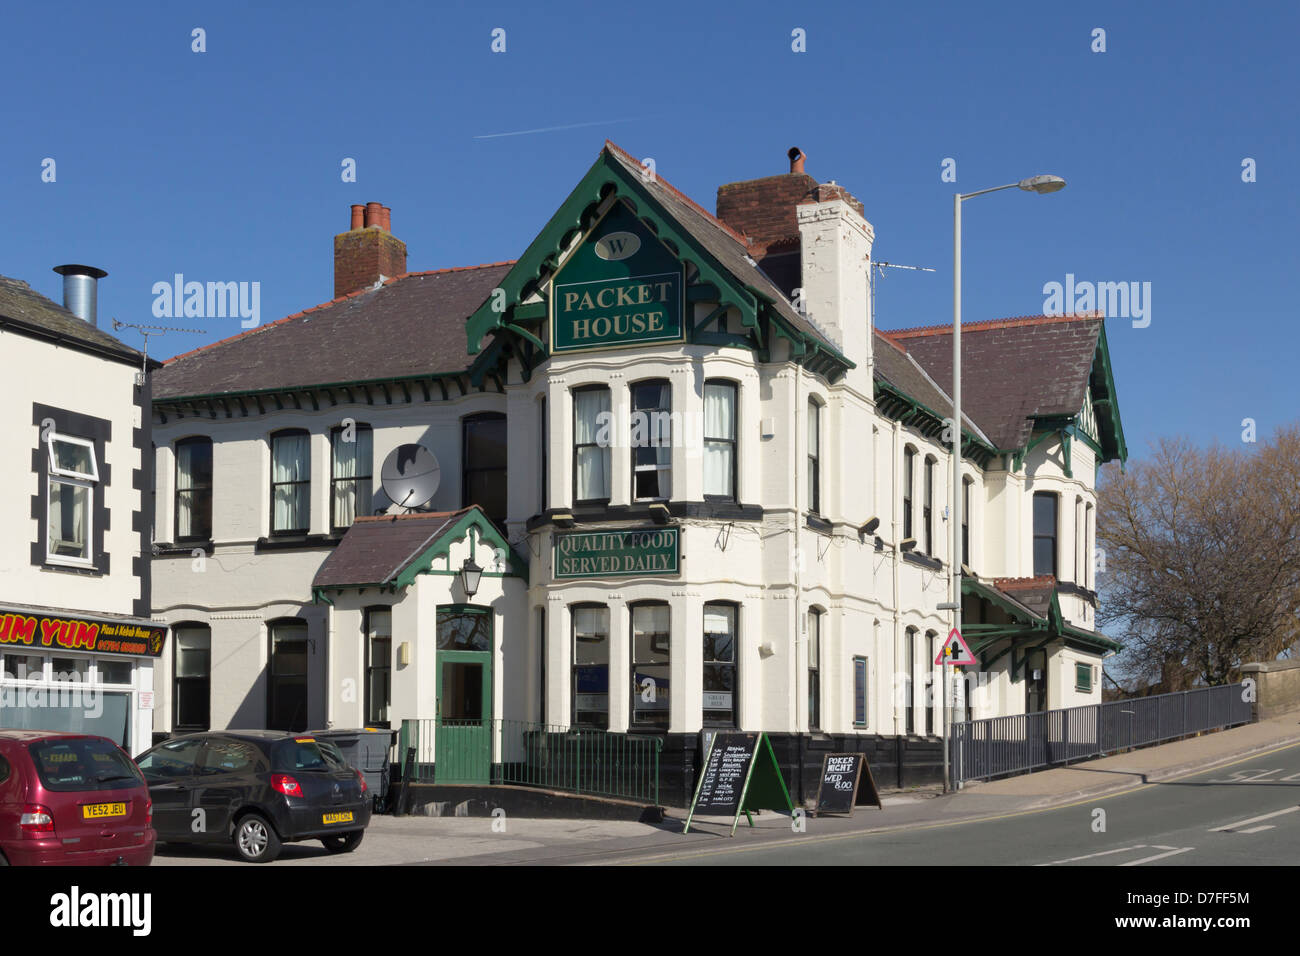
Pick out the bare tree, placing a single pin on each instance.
(1202, 559)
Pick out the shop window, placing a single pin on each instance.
(287, 678)
(112, 671)
(1045, 508)
(73, 474)
(194, 489)
(927, 508)
(651, 648)
(591, 666)
(814, 457)
(652, 440)
(379, 664)
(909, 703)
(814, 669)
(483, 464)
(859, 692)
(591, 444)
(720, 682)
(290, 482)
(192, 677)
(720, 440)
(909, 462)
(352, 465)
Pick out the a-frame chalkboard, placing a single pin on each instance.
(740, 774)
(838, 791)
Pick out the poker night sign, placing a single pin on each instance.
(620, 288)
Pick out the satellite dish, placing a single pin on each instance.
(410, 475)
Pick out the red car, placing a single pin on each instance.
(71, 799)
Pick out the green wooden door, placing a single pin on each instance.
(463, 736)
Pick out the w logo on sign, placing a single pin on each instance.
(617, 245)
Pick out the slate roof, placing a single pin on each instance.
(1012, 369)
(894, 366)
(376, 549)
(726, 245)
(410, 326)
(25, 310)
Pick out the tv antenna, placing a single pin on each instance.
(146, 331)
(881, 265)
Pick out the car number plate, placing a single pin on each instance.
(93, 811)
(338, 817)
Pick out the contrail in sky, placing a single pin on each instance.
(552, 129)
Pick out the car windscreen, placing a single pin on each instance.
(306, 753)
(83, 763)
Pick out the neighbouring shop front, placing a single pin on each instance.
(78, 672)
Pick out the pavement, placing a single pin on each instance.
(1048, 801)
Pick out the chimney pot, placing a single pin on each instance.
(796, 159)
(80, 288)
(358, 217)
(374, 213)
(388, 219)
(369, 252)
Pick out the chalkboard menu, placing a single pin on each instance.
(722, 781)
(838, 790)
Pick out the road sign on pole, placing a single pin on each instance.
(954, 650)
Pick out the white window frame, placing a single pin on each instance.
(50, 557)
(65, 473)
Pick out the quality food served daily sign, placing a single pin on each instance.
(610, 554)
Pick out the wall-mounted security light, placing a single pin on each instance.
(404, 654)
(870, 527)
(907, 544)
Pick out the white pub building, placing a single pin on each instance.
(683, 485)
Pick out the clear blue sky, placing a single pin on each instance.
(225, 165)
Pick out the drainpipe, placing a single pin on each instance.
(799, 636)
(896, 557)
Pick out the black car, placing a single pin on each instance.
(256, 788)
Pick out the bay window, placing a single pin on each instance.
(651, 648)
(652, 440)
(590, 666)
(591, 444)
(483, 464)
(1045, 507)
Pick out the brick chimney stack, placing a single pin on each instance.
(368, 251)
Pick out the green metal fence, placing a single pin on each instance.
(596, 762)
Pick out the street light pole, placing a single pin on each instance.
(1041, 185)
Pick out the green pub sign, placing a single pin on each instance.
(620, 287)
(612, 554)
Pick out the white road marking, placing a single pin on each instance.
(1267, 826)
(1246, 823)
(1158, 856)
(1089, 856)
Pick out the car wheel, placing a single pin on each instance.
(256, 840)
(343, 842)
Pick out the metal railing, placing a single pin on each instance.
(997, 746)
(597, 762)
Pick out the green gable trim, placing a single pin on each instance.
(1105, 402)
(441, 548)
(503, 318)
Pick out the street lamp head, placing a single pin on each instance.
(1042, 184)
